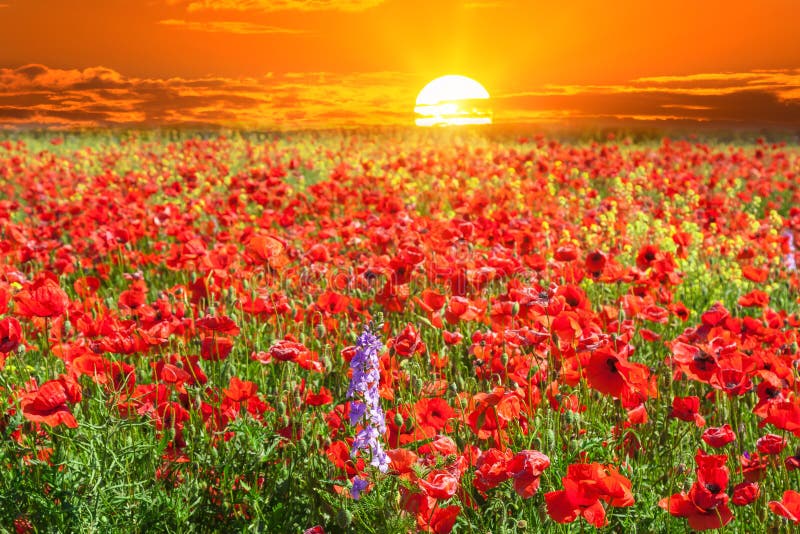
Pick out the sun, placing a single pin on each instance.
(453, 100)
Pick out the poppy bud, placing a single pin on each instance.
(504, 359)
(398, 419)
(515, 309)
(344, 518)
(416, 384)
(409, 423)
(319, 330)
(281, 407)
(453, 388)
(550, 439)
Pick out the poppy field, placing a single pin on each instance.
(398, 332)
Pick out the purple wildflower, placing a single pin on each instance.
(359, 485)
(365, 407)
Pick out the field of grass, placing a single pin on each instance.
(345, 332)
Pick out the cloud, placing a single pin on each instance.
(235, 27)
(278, 5)
(38, 96)
(762, 97)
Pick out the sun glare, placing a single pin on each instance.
(453, 100)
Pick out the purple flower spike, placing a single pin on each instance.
(365, 407)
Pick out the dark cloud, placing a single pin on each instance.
(35, 95)
(760, 98)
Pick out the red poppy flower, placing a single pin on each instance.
(321, 398)
(219, 324)
(170, 415)
(788, 506)
(753, 466)
(287, 350)
(10, 334)
(42, 298)
(585, 486)
(48, 404)
(135, 296)
(649, 335)
(687, 409)
(745, 493)
(493, 411)
(792, 462)
(168, 373)
(679, 310)
(433, 301)
(86, 286)
(595, 263)
(443, 519)
(439, 484)
(339, 455)
(215, 348)
(784, 415)
(719, 436)
(754, 299)
(705, 506)
(611, 374)
(566, 252)
(771, 444)
(696, 363)
(525, 468)
(492, 469)
(408, 342)
(452, 338)
(333, 303)
(646, 256)
(268, 250)
(240, 390)
(680, 505)
(755, 274)
(433, 413)
(402, 460)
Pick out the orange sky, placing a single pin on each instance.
(310, 63)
